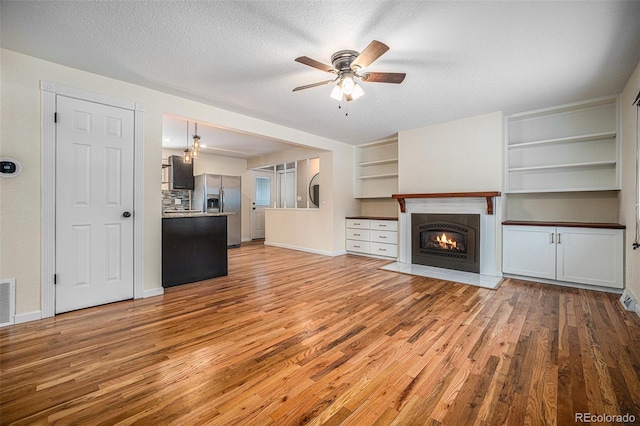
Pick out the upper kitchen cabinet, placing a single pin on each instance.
(176, 174)
(376, 169)
(572, 147)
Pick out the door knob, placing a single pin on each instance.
(126, 214)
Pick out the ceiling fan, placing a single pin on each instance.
(348, 66)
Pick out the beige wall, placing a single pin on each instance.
(458, 156)
(20, 198)
(629, 178)
(597, 206)
(319, 230)
(380, 207)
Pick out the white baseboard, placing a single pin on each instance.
(152, 292)
(27, 317)
(306, 249)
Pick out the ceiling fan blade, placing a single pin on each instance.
(384, 77)
(373, 51)
(309, 86)
(315, 64)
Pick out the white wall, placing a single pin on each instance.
(459, 156)
(20, 198)
(629, 178)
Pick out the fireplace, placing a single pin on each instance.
(450, 241)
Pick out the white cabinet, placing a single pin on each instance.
(529, 251)
(372, 236)
(376, 169)
(592, 256)
(573, 147)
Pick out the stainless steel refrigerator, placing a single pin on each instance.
(220, 194)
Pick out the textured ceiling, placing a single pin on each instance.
(461, 58)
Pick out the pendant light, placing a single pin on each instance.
(195, 153)
(186, 158)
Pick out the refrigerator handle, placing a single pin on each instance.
(221, 199)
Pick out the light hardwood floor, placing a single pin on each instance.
(294, 338)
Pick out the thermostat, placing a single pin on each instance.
(9, 167)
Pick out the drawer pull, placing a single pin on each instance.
(382, 237)
(356, 246)
(382, 249)
(357, 235)
(382, 226)
(356, 223)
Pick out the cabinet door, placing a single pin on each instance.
(591, 256)
(529, 251)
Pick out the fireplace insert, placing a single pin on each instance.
(450, 241)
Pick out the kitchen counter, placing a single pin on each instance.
(191, 213)
(194, 247)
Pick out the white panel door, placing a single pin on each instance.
(94, 204)
(262, 199)
(591, 256)
(529, 251)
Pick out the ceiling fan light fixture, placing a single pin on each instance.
(347, 83)
(357, 91)
(336, 93)
(347, 89)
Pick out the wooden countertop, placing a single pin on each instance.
(371, 218)
(564, 224)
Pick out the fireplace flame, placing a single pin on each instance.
(445, 242)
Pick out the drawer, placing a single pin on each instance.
(390, 250)
(358, 234)
(387, 237)
(359, 246)
(357, 223)
(384, 225)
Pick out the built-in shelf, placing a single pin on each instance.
(380, 176)
(376, 171)
(564, 166)
(378, 162)
(567, 148)
(580, 138)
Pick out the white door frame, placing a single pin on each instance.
(48, 93)
(253, 195)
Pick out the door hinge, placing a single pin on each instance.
(55, 117)
(55, 278)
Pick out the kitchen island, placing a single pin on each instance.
(194, 247)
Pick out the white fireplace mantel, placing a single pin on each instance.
(486, 204)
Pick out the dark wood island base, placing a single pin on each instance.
(193, 249)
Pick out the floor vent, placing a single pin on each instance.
(628, 301)
(7, 301)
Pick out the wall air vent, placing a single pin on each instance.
(7, 301)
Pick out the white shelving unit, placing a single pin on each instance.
(573, 147)
(376, 169)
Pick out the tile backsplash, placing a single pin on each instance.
(169, 198)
